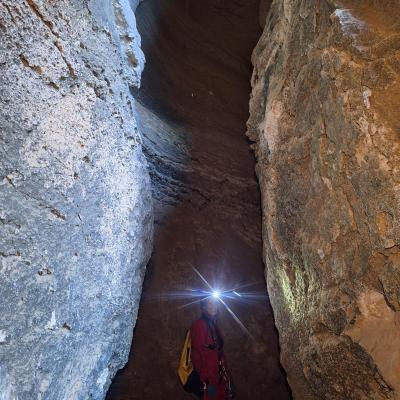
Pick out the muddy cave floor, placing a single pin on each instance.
(192, 107)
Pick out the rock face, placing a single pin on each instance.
(75, 216)
(325, 119)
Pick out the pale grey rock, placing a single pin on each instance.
(166, 148)
(325, 121)
(134, 4)
(75, 199)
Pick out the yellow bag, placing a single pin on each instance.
(185, 363)
(187, 374)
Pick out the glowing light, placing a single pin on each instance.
(236, 318)
(218, 295)
(196, 295)
(202, 277)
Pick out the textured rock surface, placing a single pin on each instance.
(325, 119)
(207, 200)
(75, 214)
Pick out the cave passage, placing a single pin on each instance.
(192, 110)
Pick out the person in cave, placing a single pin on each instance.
(208, 353)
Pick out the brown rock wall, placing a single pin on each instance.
(325, 121)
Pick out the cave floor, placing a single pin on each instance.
(192, 108)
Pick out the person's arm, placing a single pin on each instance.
(198, 336)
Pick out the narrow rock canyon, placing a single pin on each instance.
(257, 142)
(207, 203)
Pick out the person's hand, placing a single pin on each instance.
(211, 390)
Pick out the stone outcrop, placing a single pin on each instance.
(75, 214)
(325, 121)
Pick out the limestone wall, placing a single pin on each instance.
(75, 201)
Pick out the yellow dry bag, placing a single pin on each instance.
(187, 374)
(185, 362)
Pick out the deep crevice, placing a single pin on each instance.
(192, 110)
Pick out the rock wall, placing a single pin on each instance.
(325, 122)
(75, 201)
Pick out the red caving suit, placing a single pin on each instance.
(205, 334)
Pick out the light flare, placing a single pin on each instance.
(198, 295)
(216, 294)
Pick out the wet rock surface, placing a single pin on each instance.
(192, 106)
(325, 119)
(75, 200)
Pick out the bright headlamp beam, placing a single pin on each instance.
(236, 318)
(215, 294)
(189, 304)
(202, 277)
